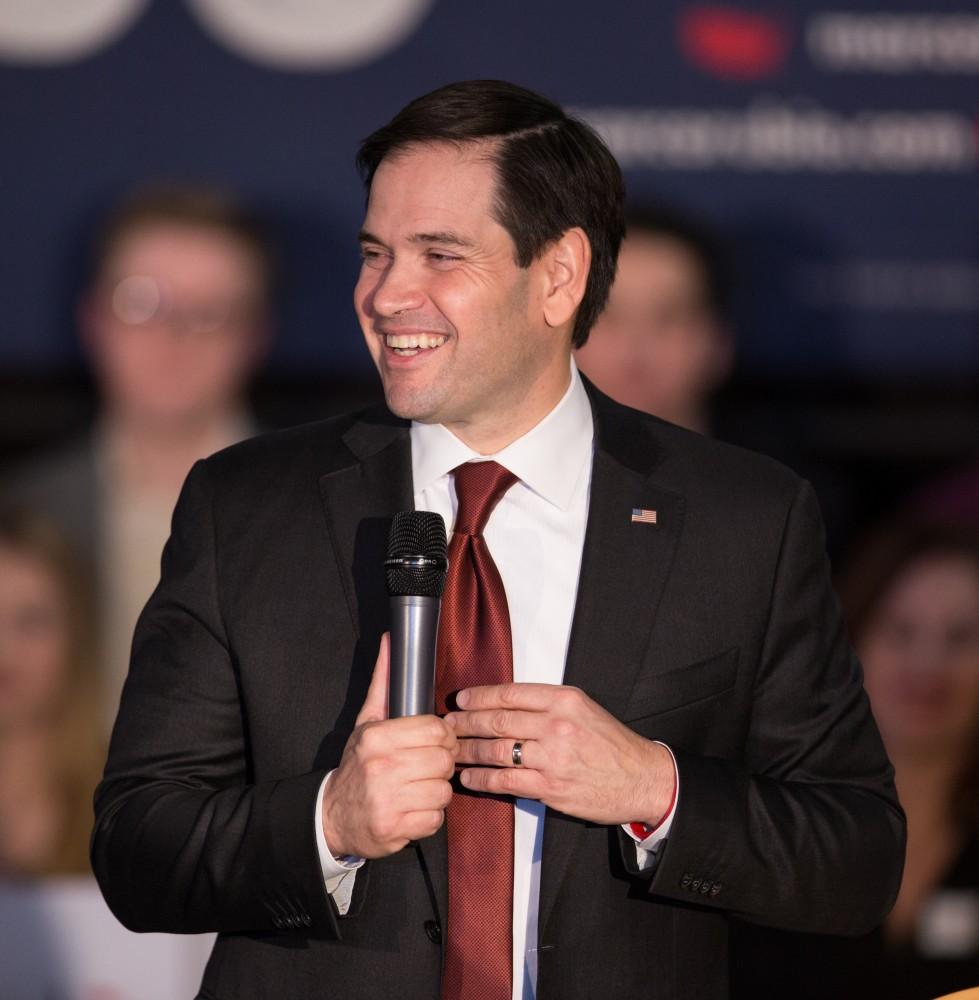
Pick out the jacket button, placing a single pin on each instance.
(715, 888)
(277, 922)
(685, 881)
(706, 886)
(306, 919)
(433, 931)
(695, 885)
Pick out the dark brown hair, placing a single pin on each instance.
(554, 172)
(868, 576)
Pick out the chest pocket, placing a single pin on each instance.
(660, 693)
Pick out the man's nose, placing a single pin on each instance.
(398, 290)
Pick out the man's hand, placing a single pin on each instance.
(392, 785)
(577, 758)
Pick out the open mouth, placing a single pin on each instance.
(406, 345)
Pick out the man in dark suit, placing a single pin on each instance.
(685, 737)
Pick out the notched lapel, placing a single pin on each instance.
(369, 481)
(369, 485)
(366, 488)
(624, 570)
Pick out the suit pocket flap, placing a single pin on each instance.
(659, 693)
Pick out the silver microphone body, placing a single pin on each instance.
(415, 571)
(414, 631)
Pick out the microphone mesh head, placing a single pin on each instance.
(417, 557)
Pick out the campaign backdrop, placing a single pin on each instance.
(836, 144)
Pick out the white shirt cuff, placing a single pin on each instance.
(340, 873)
(646, 849)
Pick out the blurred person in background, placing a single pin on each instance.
(663, 345)
(911, 599)
(51, 748)
(912, 602)
(175, 319)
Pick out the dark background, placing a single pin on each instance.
(839, 158)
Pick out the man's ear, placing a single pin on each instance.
(566, 264)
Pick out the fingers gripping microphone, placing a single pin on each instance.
(415, 568)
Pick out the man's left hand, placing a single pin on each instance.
(576, 758)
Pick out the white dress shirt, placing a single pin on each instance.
(536, 536)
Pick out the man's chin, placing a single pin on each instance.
(409, 406)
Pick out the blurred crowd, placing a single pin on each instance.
(175, 320)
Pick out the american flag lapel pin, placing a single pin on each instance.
(640, 516)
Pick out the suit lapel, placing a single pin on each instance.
(371, 481)
(624, 569)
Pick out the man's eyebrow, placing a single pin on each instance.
(442, 238)
(445, 238)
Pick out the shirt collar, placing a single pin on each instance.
(548, 458)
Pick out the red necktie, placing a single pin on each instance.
(475, 647)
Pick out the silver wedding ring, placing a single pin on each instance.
(517, 754)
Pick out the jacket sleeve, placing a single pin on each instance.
(184, 839)
(804, 832)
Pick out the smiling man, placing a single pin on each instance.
(461, 334)
(648, 715)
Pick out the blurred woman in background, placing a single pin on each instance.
(51, 752)
(911, 598)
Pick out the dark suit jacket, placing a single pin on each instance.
(714, 630)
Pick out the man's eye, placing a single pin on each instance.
(372, 258)
(437, 257)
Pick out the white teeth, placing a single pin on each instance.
(414, 341)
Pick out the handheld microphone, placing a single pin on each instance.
(415, 569)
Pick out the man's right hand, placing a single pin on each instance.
(392, 785)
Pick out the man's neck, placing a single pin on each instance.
(490, 434)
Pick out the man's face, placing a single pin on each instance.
(174, 326)
(657, 346)
(454, 326)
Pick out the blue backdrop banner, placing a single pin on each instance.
(837, 147)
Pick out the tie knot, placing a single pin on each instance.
(479, 488)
